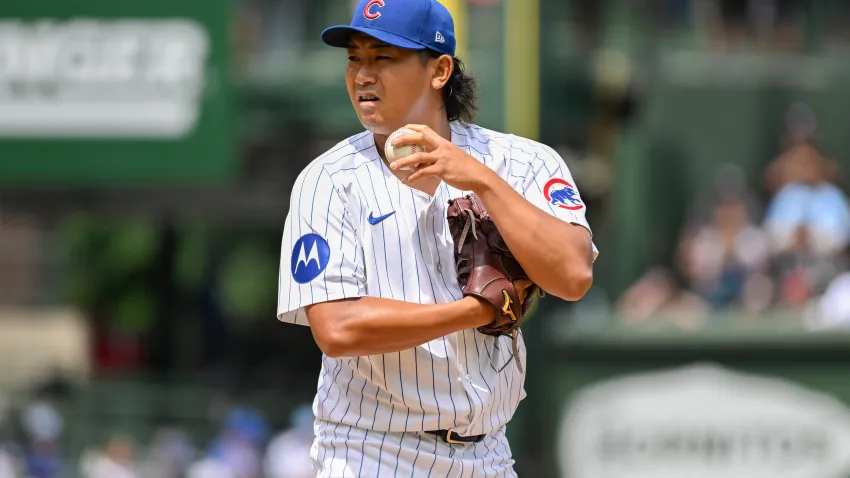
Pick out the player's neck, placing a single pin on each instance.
(441, 125)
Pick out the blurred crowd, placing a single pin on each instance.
(243, 448)
(789, 254)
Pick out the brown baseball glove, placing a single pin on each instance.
(486, 269)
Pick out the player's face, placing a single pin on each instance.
(388, 86)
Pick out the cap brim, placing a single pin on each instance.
(339, 37)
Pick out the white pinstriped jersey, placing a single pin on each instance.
(355, 230)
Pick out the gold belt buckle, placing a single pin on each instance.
(449, 438)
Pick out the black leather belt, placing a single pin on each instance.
(452, 437)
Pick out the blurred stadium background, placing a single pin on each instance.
(146, 155)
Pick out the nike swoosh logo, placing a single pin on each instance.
(375, 220)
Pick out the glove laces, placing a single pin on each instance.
(514, 352)
(470, 224)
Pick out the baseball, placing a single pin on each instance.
(394, 153)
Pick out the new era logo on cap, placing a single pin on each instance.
(412, 24)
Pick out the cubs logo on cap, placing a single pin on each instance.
(368, 13)
(412, 24)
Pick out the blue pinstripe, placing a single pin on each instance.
(398, 454)
(338, 366)
(355, 168)
(392, 405)
(347, 439)
(333, 454)
(327, 224)
(339, 389)
(366, 435)
(418, 446)
(348, 435)
(360, 413)
(450, 469)
(347, 390)
(381, 452)
(435, 458)
(363, 454)
(322, 378)
(492, 463)
(342, 261)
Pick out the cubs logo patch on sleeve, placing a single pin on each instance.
(310, 257)
(562, 194)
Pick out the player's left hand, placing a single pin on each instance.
(442, 159)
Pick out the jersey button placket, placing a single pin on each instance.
(432, 217)
(433, 258)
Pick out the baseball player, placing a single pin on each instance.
(408, 384)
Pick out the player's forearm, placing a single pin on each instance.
(371, 325)
(556, 255)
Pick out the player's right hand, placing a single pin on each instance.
(441, 159)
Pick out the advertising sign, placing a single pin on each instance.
(114, 92)
(703, 421)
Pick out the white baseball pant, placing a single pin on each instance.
(343, 451)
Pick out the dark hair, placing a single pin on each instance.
(460, 94)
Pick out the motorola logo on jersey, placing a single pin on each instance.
(370, 12)
(562, 194)
(310, 256)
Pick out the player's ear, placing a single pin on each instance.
(443, 67)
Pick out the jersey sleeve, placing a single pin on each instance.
(320, 257)
(546, 181)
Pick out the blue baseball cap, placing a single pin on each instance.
(412, 24)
